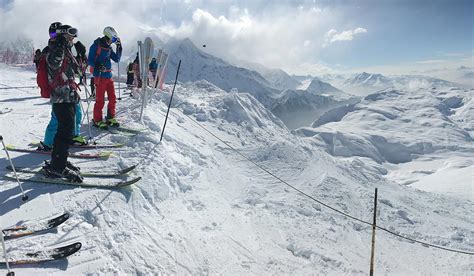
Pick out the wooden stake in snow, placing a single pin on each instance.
(169, 105)
(374, 225)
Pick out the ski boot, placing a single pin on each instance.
(68, 165)
(67, 173)
(79, 141)
(101, 125)
(113, 122)
(43, 147)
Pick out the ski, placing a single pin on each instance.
(101, 155)
(125, 130)
(42, 256)
(105, 183)
(88, 146)
(31, 228)
(86, 173)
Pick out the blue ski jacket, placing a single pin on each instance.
(100, 54)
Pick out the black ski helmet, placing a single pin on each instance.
(54, 26)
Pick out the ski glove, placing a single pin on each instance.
(101, 67)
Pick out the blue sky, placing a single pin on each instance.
(386, 36)
(404, 31)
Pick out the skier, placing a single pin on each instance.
(36, 58)
(130, 75)
(100, 54)
(61, 66)
(51, 129)
(153, 67)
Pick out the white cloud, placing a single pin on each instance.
(277, 35)
(277, 39)
(32, 19)
(333, 36)
(430, 61)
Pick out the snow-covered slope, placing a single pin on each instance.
(398, 126)
(202, 209)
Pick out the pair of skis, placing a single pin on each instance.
(92, 178)
(100, 155)
(42, 256)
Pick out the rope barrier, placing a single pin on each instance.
(320, 202)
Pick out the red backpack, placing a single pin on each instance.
(42, 76)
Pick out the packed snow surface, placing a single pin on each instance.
(203, 209)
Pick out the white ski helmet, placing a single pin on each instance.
(110, 32)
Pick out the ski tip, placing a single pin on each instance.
(127, 170)
(34, 144)
(130, 182)
(105, 154)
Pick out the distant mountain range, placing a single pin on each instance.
(296, 100)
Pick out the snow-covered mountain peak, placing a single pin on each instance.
(376, 80)
(318, 86)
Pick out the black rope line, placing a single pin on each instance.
(322, 203)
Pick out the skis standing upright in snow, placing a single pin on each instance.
(145, 52)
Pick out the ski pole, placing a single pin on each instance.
(24, 196)
(140, 57)
(169, 106)
(10, 273)
(88, 105)
(118, 68)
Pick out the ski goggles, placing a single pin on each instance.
(114, 39)
(69, 31)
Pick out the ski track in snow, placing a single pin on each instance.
(202, 209)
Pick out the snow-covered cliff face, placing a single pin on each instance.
(198, 65)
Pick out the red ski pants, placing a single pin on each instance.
(103, 85)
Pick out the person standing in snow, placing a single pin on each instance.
(130, 75)
(51, 129)
(36, 58)
(153, 67)
(61, 67)
(100, 54)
